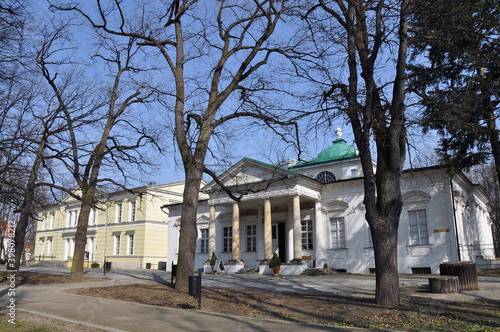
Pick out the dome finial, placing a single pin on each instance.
(338, 132)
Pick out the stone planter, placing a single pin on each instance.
(465, 271)
(443, 284)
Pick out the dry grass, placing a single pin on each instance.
(414, 313)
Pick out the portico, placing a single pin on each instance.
(247, 232)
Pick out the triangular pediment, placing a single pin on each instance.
(70, 198)
(249, 172)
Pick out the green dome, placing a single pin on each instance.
(337, 151)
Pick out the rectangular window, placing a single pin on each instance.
(93, 217)
(370, 239)
(42, 244)
(119, 212)
(421, 270)
(132, 211)
(52, 220)
(49, 247)
(337, 233)
(251, 238)
(74, 218)
(307, 234)
(43, 223)
(204, 240)
(89, 249)
(131, 244)
(227, 239)
(117, 244)
(69, 220)
(419, 234)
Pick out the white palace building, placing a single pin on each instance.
(312, 215)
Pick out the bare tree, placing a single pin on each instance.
(15, 97)
(210, 50)
(364, 38)
(13, 16)
(19, 139)
(84, 158)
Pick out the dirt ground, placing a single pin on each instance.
(414, 313)
(27, 322)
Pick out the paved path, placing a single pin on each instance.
(354, 285)
(112, 315)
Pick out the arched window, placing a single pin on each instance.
(326, 177)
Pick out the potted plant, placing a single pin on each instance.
(213, 260)
(275, 264)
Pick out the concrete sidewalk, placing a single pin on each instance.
(112, 315)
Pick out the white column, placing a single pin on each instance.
(211, 233)
(268, 245)
(71, 247)
(236, 232)
(321, 235)
(297, 230)
(66, 249)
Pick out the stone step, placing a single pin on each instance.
(317, 272)
(46, 263)
(248, 270)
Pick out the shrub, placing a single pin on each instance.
(213, 259)
(275, 262)
(94, 265)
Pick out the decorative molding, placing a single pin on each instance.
(416, 196)
(269, 194)
(335, 206)
(203, 219)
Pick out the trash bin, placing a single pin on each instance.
(162, 266)
(148, 266)
(194, 285)
(107, 266)
(173, 273)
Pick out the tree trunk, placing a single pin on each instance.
(28, 203)
(491, 124)
(383, 204)
(81, 233)
(385, 243)
(20, 233)
(188, 231)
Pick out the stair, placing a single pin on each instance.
(248, 270)
(317, 272)
(46, 263)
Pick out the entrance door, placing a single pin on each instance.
(278, 242)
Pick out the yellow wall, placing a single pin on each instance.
(150, 229)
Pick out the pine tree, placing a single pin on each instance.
(458, 77)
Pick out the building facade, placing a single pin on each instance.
(312, 215)
(127, 228)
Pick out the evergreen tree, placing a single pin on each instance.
(457, 77)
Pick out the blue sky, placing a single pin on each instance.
(254, 146)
